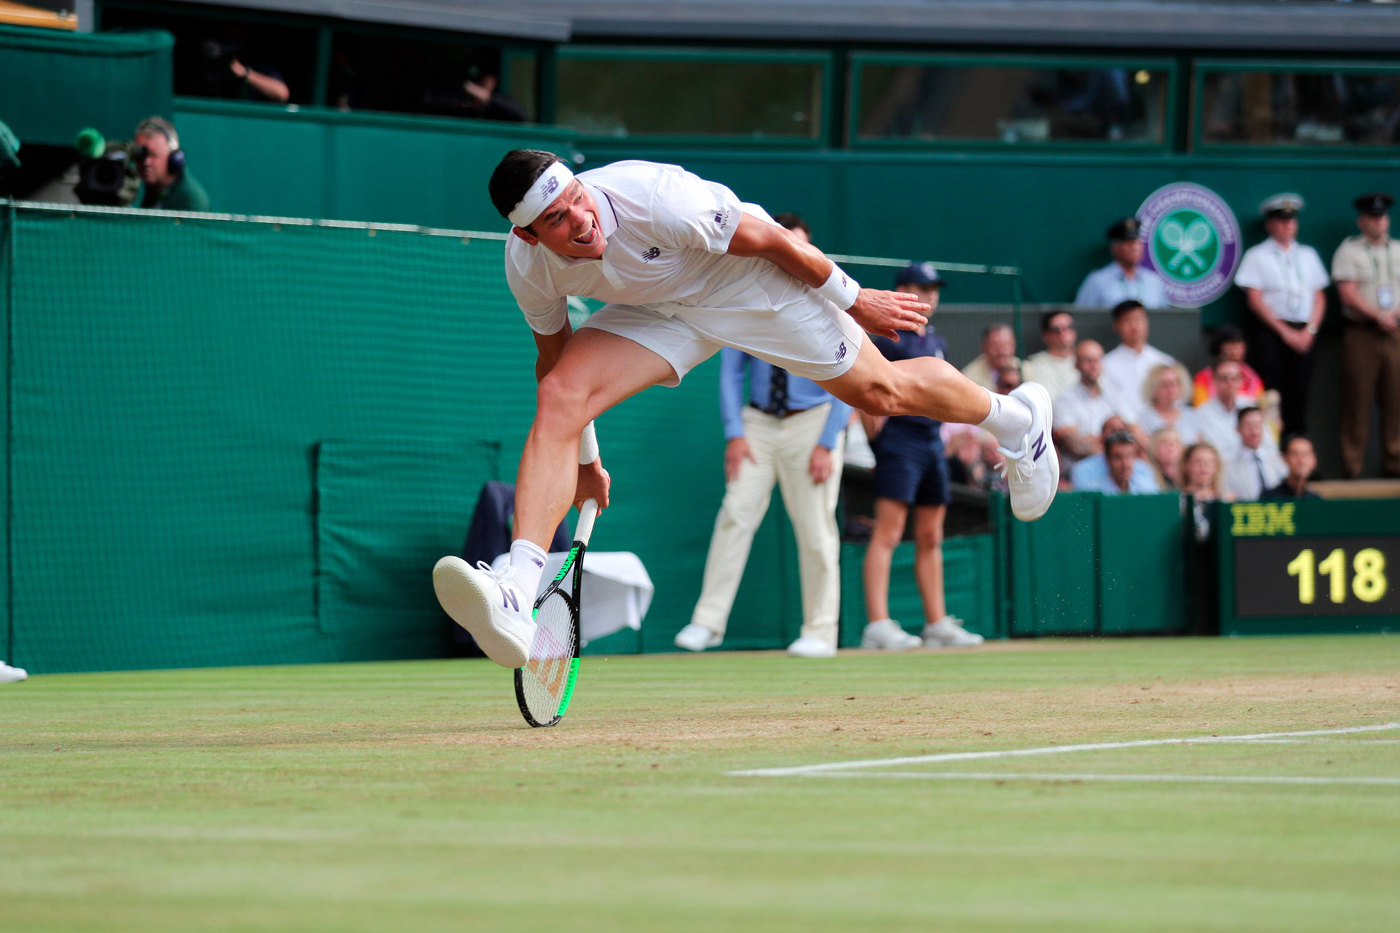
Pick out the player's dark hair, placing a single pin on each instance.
(1227, 333)
(514, 176)
(1246, 412)
(1049, 316)
(791, 221)
(1123, 307)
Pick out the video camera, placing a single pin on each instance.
(109, 172)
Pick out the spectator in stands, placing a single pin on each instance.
(232, 71)
(1256, 465)
(785, 430)
(1283, 282)
(1126, 366)
(911, 472)
(1054, 366)
(1200, 470)
(168, 183)
(1164, 450)
(1201, 473)
(1366, 269)
(1301, 460)
(1123, 279)
(998, 350)
(1164, 409)
(1008, 378)
(1118, 470)
(478, 97)
(1083, 408)
(1218, 418)
(1226, 342)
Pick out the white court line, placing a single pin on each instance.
(1145, 778)
(804, 770)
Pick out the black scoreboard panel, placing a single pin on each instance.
(1333, 576)
(1309, 566)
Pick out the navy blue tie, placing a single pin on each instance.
(777, 392)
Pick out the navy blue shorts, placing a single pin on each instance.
(910, 466)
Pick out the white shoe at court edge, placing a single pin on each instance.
(490, 606)
(1033, 472)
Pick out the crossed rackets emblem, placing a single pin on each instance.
(1187, 241)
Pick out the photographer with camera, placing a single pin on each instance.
(161, 164)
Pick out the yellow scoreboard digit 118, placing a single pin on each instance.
(1309, 566)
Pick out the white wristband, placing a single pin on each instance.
(587, 445)
(839, 288)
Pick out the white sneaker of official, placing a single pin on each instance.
(808, 647)
(695, 637)
(887, 635)
(948, 632)
(11, 675)
(615, 593)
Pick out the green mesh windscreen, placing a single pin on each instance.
(245, 442)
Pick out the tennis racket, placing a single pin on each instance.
(544, 686)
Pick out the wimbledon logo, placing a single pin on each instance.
(1193, 242)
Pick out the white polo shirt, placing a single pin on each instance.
(1078, 408)
(667, 231)
(1287, 277)
(1125, 371)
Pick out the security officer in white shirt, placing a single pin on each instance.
(686, 268)
(1124, 278)
(1366, 269)
(1283, 282)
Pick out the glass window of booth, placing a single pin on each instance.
(923, 100)
(692, 93)
(1336, 107)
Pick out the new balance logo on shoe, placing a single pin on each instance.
(509, 601)
(1038, 447)
(651, 254)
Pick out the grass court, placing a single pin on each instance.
(411, 796)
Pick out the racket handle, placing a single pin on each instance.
(586, 514)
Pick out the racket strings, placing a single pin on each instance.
(545, 677)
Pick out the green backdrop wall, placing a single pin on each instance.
(237, 443)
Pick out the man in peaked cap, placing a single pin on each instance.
(1366, 269)
(1123, 279)
(1283, 281)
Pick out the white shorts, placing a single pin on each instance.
(809, 338)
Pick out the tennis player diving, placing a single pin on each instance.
(685, 268)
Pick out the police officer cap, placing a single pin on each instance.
(1126, 229)
(922, 274)
(1373, 204)
(1284, 205)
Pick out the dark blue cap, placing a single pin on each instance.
(922, 274)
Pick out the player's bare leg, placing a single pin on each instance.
(595, 371)
(935, 389)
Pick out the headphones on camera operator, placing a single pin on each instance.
(175, 161)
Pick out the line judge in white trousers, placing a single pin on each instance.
(788, 431)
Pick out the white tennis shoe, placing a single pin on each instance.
(11, 675)
(695, 637)
(807, 647)
(886, 635)
(1033, 472)
(948, 632)
(490, 606)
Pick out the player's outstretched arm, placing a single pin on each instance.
(879, 312)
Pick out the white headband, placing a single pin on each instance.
(545, 189)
